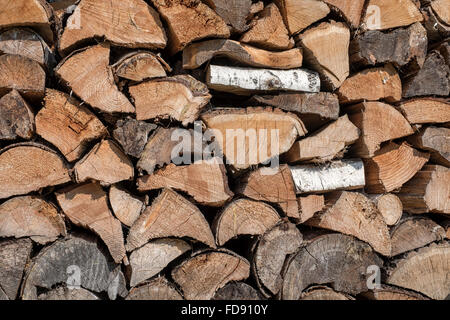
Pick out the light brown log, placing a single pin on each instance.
(199, 53)
(141, 65)
(170, 215)
(426, 110)
(189, 21)
(390, 207)
(63, 293)
(157, 289)
(427, 191)
(237, 291)
(378, 122)
(127, 23)
(243, 217)
(87, 206)
(205, 182)
(437, 141)
(323, 293)
(67, 124)
(437, 30)
(16, 117)
(446, 226)
(392, 293)
(442, 9)
(125, 207)
(34, 163)
(325, 144)
(373, 84)
(88, 74)
(203, 274)
(308, 206)
(180, 98)
(350, 9)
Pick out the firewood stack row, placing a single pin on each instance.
(224, 149)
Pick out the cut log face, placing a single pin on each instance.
(198, 53)
(323, 293)
(337, 175)
(130, 23)
(253, 135)
(372, 84)
(36, 164)
(67, 124)
(441, 8)
(141, 65)
(245, 81)
(180, 98)
(237, 291)
(427, 191)
(387, 14)
(270, 254)
(352, 213)
(277, 188)
(89, 75)
(22, 74)
(126, 208)
(105, 163)
(205, 182)
(392, 166)
(350, 9)
(243, 217)
(14, 256)
(234, 12)
(202, 275)
(75, 261)
(326, 260)
(299, 14)
(16, 117)
(414, 233)
(308, 206)
(426, 110)
(204, 22)
(424, 271)
(390, 207)
(437, 141)
(379, 122)
(133, 135)
(153, 257)
(87, 206)
(31, 216)
(437, 30)
(63, 293)
(392, 293)
(166, 217)
(157, 289)
(326, 144)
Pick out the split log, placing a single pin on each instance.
(387, 14)
(441, 8)
(308, 206)
(14, 256)
(427, 191)
(426, 110)
(3, 295)
(237, 291)
(75, 261)
(446, 226)
(323, 293)
(16, 117)
(332, 65)
(198, 53)
(63, 293)
(105, 163)
(22, 74)
(180, 97)
(170, 215)
(372, 84)
(205, 182)
(234, 12)
(276, 188)
(392, 166)
(351, 10)
(424, 271)
(190, 21)
(133, 135)
(153, 257)
(437, 141)
(32, 217)
(243, 217)
(34, 163)
(244, 81)
(87, 206)
(129, 23)
(67, 124)
(202, 275)
(270, 253)
(390, 207)
(325, 144)
(299, 14)
(88, 74)
(126, 208)
(337, 175)
(269, 31)
(157, 289)
(378, 122)
(326, 260)
(253, 135)
(413, 233)
(436, 28)
(141, 65)
(392, 293)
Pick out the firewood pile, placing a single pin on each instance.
(224, 149)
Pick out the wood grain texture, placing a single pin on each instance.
(16, 117)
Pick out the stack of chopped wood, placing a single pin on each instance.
(224, 149)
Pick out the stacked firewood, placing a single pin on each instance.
(224, 149)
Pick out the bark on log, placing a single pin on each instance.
(426, 110)
(308, 206)
(126, 208)
(323, 293)
(350, 9)
(441, 8)
(392, 293)
(63, 293)
(16, 117)
(390, 207)
(234, 12)
(141, 65)
(435, 140)
(436, 28)
(237, 291)
(157, 289)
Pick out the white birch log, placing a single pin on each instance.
(240, 80)
(337, 175)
